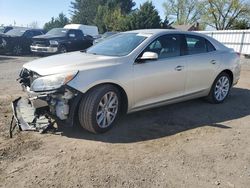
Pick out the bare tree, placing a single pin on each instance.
(221, 14)
(33, 24)
(182, 11)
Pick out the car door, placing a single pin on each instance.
(73, 43)
(162, 79)
(202, 62)
(26, 40)
(80, 42)
(88, 41)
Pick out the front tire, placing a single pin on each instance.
(62, 49)
(220, 89)
(100, 108)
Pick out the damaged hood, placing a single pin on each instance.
(69, 62)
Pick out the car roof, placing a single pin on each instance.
(154, 32)
(149, 31)
(36, 29)
(66, 28)
(162, 31)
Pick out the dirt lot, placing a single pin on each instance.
(190, 144)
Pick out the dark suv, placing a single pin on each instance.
(17, 41)
(60, 40)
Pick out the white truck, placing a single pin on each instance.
(86, 29)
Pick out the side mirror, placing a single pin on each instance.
(72, 35)
(148, 56)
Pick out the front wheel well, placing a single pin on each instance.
(124, 96)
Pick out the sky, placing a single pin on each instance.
(24, 12)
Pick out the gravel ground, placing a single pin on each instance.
(190, 144)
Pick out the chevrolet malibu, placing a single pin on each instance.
(128, 72)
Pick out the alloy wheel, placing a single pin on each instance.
(107, 110)
(222, 88)
(17, 50)
(63, 50)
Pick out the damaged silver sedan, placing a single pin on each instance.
(128, 72)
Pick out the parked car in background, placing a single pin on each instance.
(5, 29)
(104, 36)
(60, 40)
(86, 29)
(17, 41)
(128, 72)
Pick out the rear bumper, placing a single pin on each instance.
(39, 49)
(236, 73)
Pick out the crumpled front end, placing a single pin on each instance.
(40, 110)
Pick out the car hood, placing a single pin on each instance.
(9, 36)
(2, 35)
(48, 36)
(68, 62)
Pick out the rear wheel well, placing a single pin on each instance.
(124, 97)
(230, 74)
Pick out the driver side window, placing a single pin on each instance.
(165, 46)
(28, 34)
(72, 34)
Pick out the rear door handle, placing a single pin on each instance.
(179, 68)
(213, 62)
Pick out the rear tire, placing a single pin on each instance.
(100, 108)
(220, 89)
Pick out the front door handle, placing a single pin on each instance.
(213, 62)
(179, 68)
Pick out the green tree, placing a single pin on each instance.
(112, 15)
(144, 18)
(182, 11)
(125, 6)
(91, 12)
(99, 19)
(84, 11)
(109, 20)
(222, 14)
(60, 21)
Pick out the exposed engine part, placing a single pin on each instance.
(68, 95)
(62, 110)
(61, 106)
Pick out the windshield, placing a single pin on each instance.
(58, 31)
(118, 45)
(16, 32)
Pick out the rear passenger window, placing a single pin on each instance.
(196, 45)
(210, 47)
(165, 46)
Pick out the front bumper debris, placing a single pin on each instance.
(25, 118)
